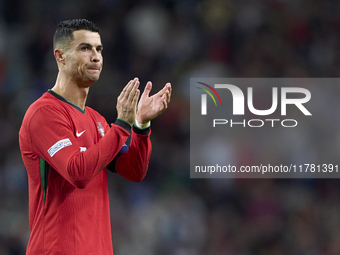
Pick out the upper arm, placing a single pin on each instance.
(52, 136)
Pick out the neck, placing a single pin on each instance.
(71, 91)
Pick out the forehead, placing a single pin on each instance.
(85, 36)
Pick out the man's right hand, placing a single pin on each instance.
(127, 102)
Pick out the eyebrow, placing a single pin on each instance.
(89, 45)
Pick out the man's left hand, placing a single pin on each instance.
(149, 107)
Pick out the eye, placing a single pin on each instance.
(84, 48)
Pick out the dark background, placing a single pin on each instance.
(173, 41)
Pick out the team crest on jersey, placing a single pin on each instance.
(100, 129)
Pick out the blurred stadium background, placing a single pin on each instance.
(172, 40)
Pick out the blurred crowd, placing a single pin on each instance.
(173, 41)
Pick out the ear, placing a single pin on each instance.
(59, 56)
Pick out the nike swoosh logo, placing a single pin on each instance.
(79, 134)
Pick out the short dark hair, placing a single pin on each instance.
(64, 33)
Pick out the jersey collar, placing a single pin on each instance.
(65, 100)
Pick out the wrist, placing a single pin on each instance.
(140, 120)
(142, 125)
(125, 121)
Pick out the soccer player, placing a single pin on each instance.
(67, 148)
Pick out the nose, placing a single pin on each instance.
(96, 56)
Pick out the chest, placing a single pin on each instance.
(88, 129)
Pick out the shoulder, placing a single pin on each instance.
(45, 107)
(39, 111)
(45, 100)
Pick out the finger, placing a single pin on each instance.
(127, 90)
(168, 92)
(165, 98)
(163, 103)
(130, 83)
(122, 93)
(163, 90)
(135, 98)
(147, 89)
(163, 106)
(132, 92)
(130, 86)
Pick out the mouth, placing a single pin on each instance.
(93, 70)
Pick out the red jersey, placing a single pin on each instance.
(66, 151)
